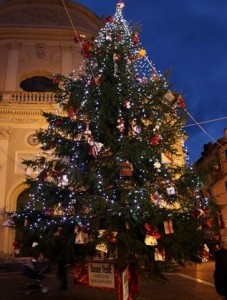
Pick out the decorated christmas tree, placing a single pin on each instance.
(111, 177)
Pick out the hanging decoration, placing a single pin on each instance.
(159, 254)
(71, 112)
(81, 235)
(126, 169)
(151, 235)
(155, 140)
(169, 96)
(180, 102)
(10, 220)
(121, 125)
(168, 227)
(141, 53)
(171, 191)
(166, 158)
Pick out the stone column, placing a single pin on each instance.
(66, 54)
(12, 68)
(4, 143)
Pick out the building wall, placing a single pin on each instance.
(36, 39)
(214, 161)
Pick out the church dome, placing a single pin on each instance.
(46, 14)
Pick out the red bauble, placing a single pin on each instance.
(95, 81)
(80, 38)
(109, 19)
(130, 57)
(155, 140)
(135, 39)
(58, 122)
(86, 48)
(180, 102)
(70, 112)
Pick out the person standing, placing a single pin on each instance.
(220, 271)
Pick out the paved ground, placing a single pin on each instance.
(195, 282)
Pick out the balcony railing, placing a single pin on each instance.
(27, 97)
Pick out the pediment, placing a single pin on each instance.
(47, 14)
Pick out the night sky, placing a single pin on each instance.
(189, 39)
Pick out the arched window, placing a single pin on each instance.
(37, 84)
(22, 235)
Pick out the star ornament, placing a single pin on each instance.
(120, 5)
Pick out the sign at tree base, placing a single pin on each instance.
(106, 275)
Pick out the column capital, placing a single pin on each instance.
(5, 133)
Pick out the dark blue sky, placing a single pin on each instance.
(188, 37)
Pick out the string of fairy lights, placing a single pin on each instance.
(155, 73)
(147, 68)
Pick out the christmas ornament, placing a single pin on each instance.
(151, 236)
(159, 254)
(58, 122)
(155, 140)
(169, 96)
(135, 127)
(180, 102)
(83, 167)
(80, 38)
(35, 244)
(155, 198)
(86, 48)
(70, 112)
(109, 19)
(47, 213)
(204, 253)
(9, 223)
(121, 125)
(59, 210)
(81, 235)
(26, 222)
(102, 245)
(126, 169)
(198, 213)
(171, 190)
(95, 80)
(65, 160)
(136, 39)
(130, 57)
(166, 158)
(207, 222)
(87, 133)
(157, 165)
(168, 227)
(94, 148)
(64, 181)
(138, 79)
(127, 104)
(120, 4)
(141, 53)
(116, 56)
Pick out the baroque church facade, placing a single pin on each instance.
(36, 41)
